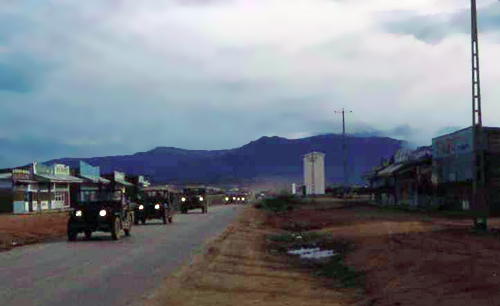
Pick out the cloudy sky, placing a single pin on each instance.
(95, 78)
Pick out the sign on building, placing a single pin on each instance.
(60, 169)
(21, 174)
(119, 176)
(42, 169)
(88, 170)
(402, 155)
(455, 144)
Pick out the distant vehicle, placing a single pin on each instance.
(192, 198)
(112, 212)
(241, 198)
(153, 207)
(229, 198)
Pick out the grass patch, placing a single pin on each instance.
(278, 204)
(341, 275)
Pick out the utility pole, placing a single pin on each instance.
(479, 204)
(344, 148)
(313, 187)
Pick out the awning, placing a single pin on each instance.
(5, 176)
(390, 170)
(59, 178)
(95, 179)
(124, 183)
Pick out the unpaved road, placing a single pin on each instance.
(105, 272)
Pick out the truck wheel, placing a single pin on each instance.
(129, 229)
(164, 218)
(88, 234)
(136, 220)
(116, 229)
(71, 233)
(143, 221)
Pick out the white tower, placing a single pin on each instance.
(314, 173)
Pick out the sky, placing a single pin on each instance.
(99, 78)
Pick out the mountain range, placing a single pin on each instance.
(266, 159)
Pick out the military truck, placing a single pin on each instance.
(192, 198)
(229, 198)
(154, 204)
(241, 198)
(112, 212)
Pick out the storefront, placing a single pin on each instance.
(453, 168)
(118, 181)
(18, 191)
(54, 186)
(88, 191)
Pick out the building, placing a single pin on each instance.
(452, 169)
(314, 173)
(88, 190)
(413, 184)
(54, 184)
(18, 191)
(118, 181)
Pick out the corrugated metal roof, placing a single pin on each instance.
(124, 183)
(5, 176)
(95, 179)
(390, 170)
(60, 178)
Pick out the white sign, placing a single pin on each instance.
(119, 176)
(60, 169)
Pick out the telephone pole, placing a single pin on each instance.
(344, 147)
(479, 204)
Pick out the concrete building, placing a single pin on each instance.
(314, 173)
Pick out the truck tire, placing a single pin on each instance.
(116, 229)
(165, 217)
(129, 228)
(72, 235)
(136, 220)
(88, 234)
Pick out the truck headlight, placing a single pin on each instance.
(183, 199)
(234, 198)
(157, 206)
(227, 199)
(201, 198)
(78, 213)
(102, 213)
(141, 207)
(243, 199)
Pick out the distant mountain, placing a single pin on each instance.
(268, 158)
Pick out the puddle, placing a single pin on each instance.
(312, 253)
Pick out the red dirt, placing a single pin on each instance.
(17, 230)
(412, 259)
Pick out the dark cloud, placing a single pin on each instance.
(27, 148)
(434, 28)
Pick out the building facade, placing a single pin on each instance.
(314, 173)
